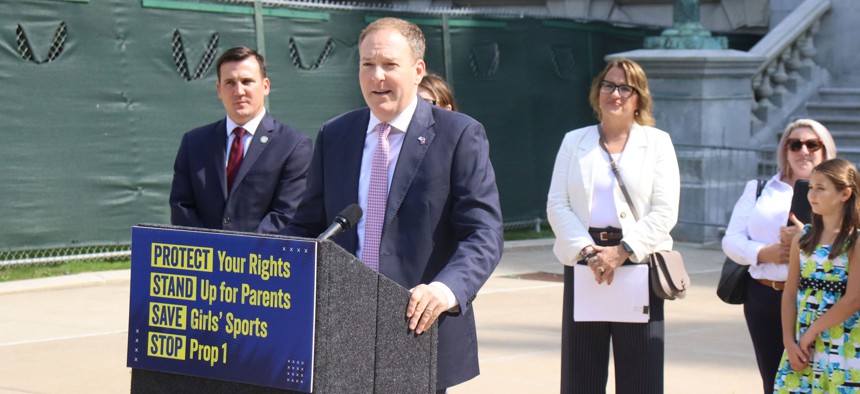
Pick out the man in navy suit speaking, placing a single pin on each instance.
(245, 172)
(423, 177)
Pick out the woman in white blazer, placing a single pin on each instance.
(597, 233)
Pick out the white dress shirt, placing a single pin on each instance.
(399, 125)
(605, 213)
(250, 127)
(755, 224)
(371, 140)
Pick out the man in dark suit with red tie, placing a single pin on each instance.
(422, 175)
(246, 172)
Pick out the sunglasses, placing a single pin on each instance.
(795, 145)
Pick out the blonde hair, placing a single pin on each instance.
(413, 34)
(819, 130)
(635, 78)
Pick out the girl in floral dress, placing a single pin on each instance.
(820, 318)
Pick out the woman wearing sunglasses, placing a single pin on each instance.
(602, 239)
(757, 236)
(436, 91)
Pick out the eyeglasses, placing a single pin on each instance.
(796, 144)
(623, 90)
(431, 101)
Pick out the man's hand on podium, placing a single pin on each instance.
(426, 303)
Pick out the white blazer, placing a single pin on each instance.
(649, 169)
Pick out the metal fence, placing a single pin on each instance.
(9, 258)
(712, 180)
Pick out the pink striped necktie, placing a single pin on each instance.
(377, 194)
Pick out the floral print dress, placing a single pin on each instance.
(835, 366)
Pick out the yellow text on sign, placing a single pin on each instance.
(166, 345)
(179, 287)
(182, 257)
(168, 315)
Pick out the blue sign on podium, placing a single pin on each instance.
(223, 306)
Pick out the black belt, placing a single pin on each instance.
(605, 234)
(821, 284)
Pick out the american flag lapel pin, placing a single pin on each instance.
(422, 140)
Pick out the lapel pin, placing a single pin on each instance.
(264, 139)
(422, 140)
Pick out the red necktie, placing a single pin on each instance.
(237, 151)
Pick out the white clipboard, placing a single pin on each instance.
(625, 300)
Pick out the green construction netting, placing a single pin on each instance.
(96, 95)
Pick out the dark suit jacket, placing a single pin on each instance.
(267, 188)
(443, 221)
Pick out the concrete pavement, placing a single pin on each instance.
(708, 349)
(68, 334)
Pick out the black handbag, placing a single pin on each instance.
(733, 278)
(733, 282)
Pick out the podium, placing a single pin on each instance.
(361, 339)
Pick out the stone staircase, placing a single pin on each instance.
(838, 109)
(790, 75)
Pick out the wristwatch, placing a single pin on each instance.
(627, 248)
(587, 252)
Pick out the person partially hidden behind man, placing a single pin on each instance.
(246, 172)
(423, 177)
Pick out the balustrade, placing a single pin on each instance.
(789, 50)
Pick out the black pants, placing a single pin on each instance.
(637, 348)
(763, 313)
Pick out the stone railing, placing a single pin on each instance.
(789, 76)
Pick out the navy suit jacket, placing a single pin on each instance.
(267, 189)
(443, 221)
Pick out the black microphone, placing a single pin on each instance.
(342, 222)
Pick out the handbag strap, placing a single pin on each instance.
(617, 172)
(759, 187)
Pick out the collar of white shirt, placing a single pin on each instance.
(401, 122)
(250, 127)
